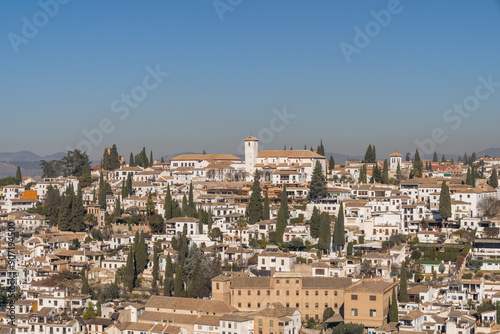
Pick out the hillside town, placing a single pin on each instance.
(279, 241)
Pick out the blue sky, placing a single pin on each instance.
(226, 76)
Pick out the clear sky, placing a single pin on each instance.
(231, 64)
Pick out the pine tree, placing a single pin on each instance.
(19, 176)
(325, 233)
(368, 154)
(331, 163)
(435, 157)
(338, 230)
(314, 223)
(385, 173)
(445, 202)
(89, 312)
(393, 309)
(417, 165)
(493, 180)
(130, 273)
(403, 285)
(317, 186)
(255, 209)
(267, 212)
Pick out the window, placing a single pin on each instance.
(268, 292)
(373, 313)
(287, 281)
(354, 297)
(373, 298)
(258, 305)
(316, 293)
(249, 305)
(297, 305)
(297, 281)
(334, 293)
(249, 292)
(326, 293)
(307, 293)
(277, 292)
(326, 305)
(297, 292)
(316, 305)
(287, 293)
(258, 292)
(271, 323)
(307, 305)
(239, 304)
(277, 281)
(260, 322)
(354, 312)
(239, 292)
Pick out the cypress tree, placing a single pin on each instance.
(209, 222)
(130, 273)
(385, 173)
(130, 189)
(417, 165)
(445, 202)
(77, 212)
(131, 160)
(118, 208)
(325, 233)
(435, 157)
(141, 256)
(338, 230)
(314, 223)
(94, 196)
(317, 186)
(267, 211)
(362, 174)
(168, 204)
(255, 209)
(114, 158)
(403, 285)
(85, 283)
(191, 205)
(280, 227)
(124, 190)
(185, 207)
(155, 264)
(200, 220)
(151, 161)
(169, 274)
(150, 205)
(321, 149)
(376, 175)
(19, 176)
(284, 203)
(493, 181)
(178, 284)
(473, 176)
(331, 163)
(102, 192)
(64, 212)
(197, 284)
(468, 177)
(393, 309)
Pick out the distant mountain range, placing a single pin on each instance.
(29, 161)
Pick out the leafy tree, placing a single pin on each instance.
(150, 205)
(157, 224)
(445, 202)
(314, 223)
(441, 269)
(393, 309)
(328, 313)
(493, 180)
(51, 169)
(349, 328)
(317, 186)
(255, 207)
(325, 234)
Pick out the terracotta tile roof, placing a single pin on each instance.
(162, 302)
(184, 157)
(295, 154)
(326, 282)
(250, 282)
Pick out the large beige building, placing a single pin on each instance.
(310, 295)
(367, 302)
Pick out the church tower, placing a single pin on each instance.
(251, 151)
(221, 288)
(394, 161)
